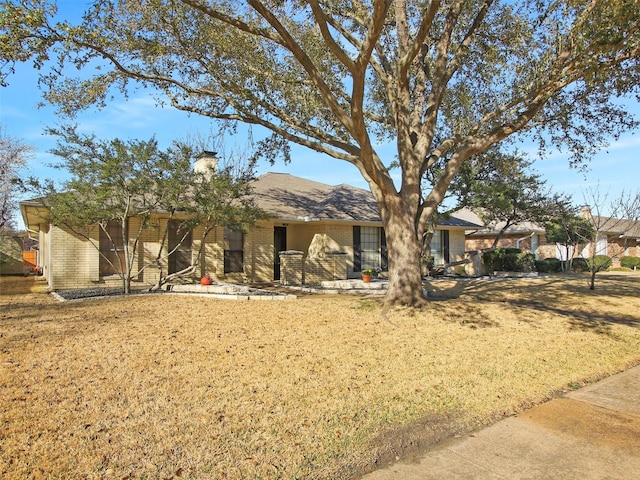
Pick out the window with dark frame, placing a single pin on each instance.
(233, 251)
(440, 247)
(369, 248)
(180, 242)
(111, 249)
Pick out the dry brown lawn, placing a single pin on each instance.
(167, 386)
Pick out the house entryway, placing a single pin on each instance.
(279, 245)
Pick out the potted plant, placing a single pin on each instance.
(206, 280)
(368, 274)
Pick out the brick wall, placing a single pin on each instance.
(331, 267)
(259, 253)
(506, 241)
(295, 269)
(292, 267)
(74, 261)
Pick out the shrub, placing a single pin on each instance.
(525, 262)
(510, 260)
(602, 263)
(630, 262)
(492, 260)
(549, 265)
(580, 265)
(555, 264)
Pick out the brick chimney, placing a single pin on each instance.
(206, 163)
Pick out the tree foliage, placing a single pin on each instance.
(438, 82)
(14, 155)
(504, 191)
(569, 229)
(118, 181)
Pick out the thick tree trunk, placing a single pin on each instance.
(405, 249)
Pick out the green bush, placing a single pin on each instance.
(549, 265)
(510, 260)
(630, 262)
(602, 263)
(525, 262)
(580, 265)
(492, 260)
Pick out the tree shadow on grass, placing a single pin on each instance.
(588, 321)
(548, 294)
(549, 288)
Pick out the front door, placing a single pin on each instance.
(279, 245)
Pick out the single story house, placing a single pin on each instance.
(616, 238)
(346, 218)
(527, 236)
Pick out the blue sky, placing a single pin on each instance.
(613, 170)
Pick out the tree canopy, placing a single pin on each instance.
(504, 191)
(439, 81)
(14, 155)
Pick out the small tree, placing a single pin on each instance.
(116, 181)
(570, 230)
(216, 197)
(504, 191)
(14, 155)
(615, 221)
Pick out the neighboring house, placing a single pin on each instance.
(526, 236)
(297, 210)
(11, 262)
(616, 238)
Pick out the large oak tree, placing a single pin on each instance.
(441, 81)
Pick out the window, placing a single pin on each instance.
(440, 247)
(179, 246)
(602, 245)
(233, 251)
(369, 248)
(112, 259)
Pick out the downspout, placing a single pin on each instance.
(49, 276)
(29, 231)
(38, 253)
(524, 238)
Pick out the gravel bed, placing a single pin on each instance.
(80, 293)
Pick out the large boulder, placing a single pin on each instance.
(321, 244)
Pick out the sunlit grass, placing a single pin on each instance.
(176, 386)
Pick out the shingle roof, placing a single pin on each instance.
(522, 228)
(616, 226)
(288, 197)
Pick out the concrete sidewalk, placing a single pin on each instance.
(592, 433)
